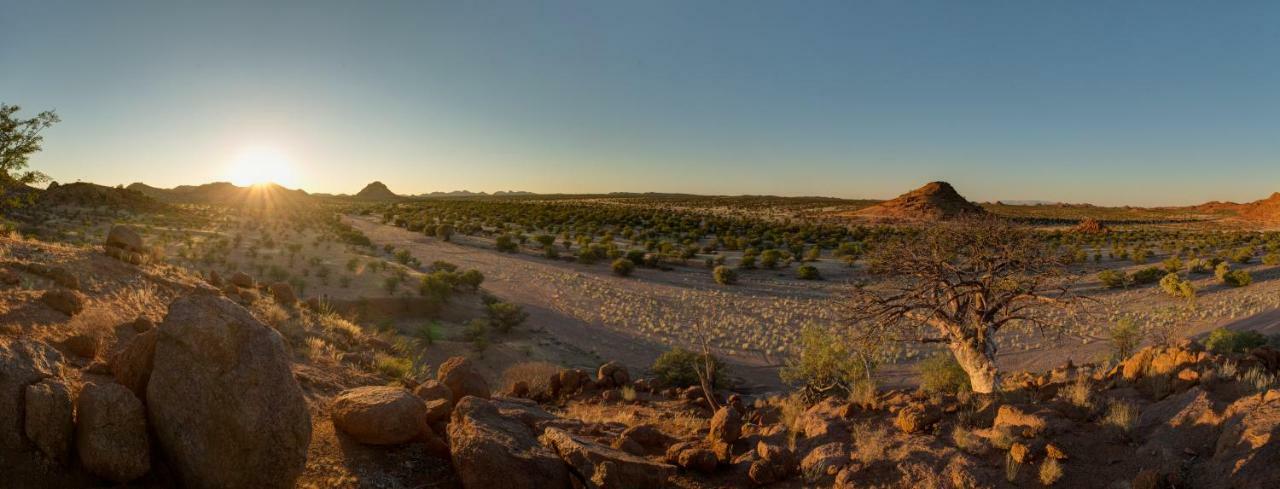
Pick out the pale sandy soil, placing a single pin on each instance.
(636, 318)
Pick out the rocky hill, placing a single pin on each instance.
(376, 191)
(81, 194)
(268, 195)
(933, 202)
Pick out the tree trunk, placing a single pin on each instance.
(977, 360)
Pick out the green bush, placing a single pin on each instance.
(623, 267)
(1271, 259)
(747, 262)
(808, 272)
(1237, 278)
(1173, 264)
(506, 243)
(826, 363)
(769, 259)
(1125, 337)
(724, 275)
(477, 333)
(678, 367)
(1223, 340)
(1113, 279)
(471, 279)
(942, 373)
(1147, 275)
(505, 316)
(1242, 255)
(1175, 286)
(444, 232)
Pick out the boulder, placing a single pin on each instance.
(693, 456)
(132, 365)
(66, 301)
(241, 279)
(379, 415)
(1020, 421)
(125, 238)
(646, 437)
(22, 363)
(83, 345)
(438, 410)
(774, 463)
(462, 379)
(823, 463)
(283, 294)
(111, 433)
(431, 390)
(518, 388)
(493, 450)
(223, 403)
(49, 420)
(914, 418)
(726, 425)
(613, 374)
(598, 466)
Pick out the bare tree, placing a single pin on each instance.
(960, 283)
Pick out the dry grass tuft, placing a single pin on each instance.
(1050, 472)
(534, 374)
(1122, 415)
(872, 442)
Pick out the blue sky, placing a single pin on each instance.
(1141, 103)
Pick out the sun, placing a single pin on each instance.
(260, 165)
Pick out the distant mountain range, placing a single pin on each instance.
(224, 193)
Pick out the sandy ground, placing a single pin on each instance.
(636, 318)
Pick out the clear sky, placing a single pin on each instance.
(1112, 102)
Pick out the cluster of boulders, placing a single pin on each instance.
(242, 287)
(208, 393)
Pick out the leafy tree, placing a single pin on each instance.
(19, 139)
(1125, 338)
(828, 365)
(678, 367)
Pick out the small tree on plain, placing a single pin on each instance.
(19, 139)
(959, 284)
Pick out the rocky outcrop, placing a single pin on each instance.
(22, 363)
(933, 202)
(493, 450)
(379, 415)
(222, 400)
(597, 466)
(111, 433)
(462, 379)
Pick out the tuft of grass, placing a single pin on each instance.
(1011, 468)
(1050, 471)
(628, 393)
(536, 375)
(392, 366)
(1258, 379)
(967, 441)
(1080, 393)
(1122, 415)
(873, 442)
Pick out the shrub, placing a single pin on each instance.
(1223, 340)
(677, 367)
(1147, 275)
(443, 266)
(1140, 255)
(808, 272)
(506, 244)
(1242, 255)
(471, 279)
(747, 262)
(1125, 338)
(477, 333)
(942, 373)
(444, 232)
(392, 366)
(1172, 265)
(769, 259)
(1199, 265)
(827, 363)
(1174, 286)
(536, 375)
(1271, 259)
(1220, 272)
(505, 316)
(1113, 279)
(437, 286)
(623, 267)
(1237, 278)
(724, 275)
